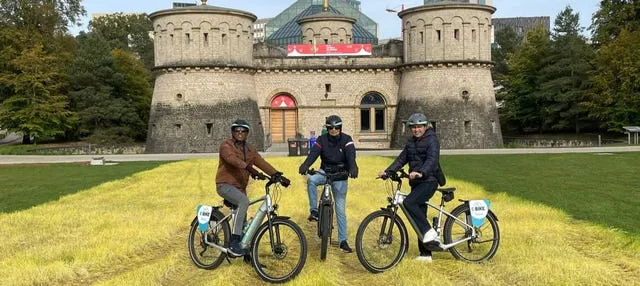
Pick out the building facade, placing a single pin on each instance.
(210, 73)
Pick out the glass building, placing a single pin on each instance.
(284, 29)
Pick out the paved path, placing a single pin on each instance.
(37, 159)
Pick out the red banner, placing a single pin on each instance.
(310, 50)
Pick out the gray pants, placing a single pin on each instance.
(236, 197)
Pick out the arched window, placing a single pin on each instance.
(372, 113)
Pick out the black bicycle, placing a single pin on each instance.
(470, 231)
(325, 208)
(278, 247)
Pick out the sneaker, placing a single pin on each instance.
(426, 258)
(313, 216)
(344, 246)
(429, 236)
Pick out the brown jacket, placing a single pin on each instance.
(234, 159)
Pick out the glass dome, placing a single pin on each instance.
(482, 2)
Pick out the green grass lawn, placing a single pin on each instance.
(24, 186)
(602, 188)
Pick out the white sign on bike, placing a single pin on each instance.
(479, 210)
(204, 215)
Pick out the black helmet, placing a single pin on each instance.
(417, 119)
(333, 121)
(240, 123)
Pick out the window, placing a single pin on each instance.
(209, 127)
(421, 37)
(326, 41)
(473, 35)
(178, 130)
(467, 126)
(187, 37)
(438, 35)
(206, 39)
(493, 127)
(224, 39)
(179, 96)
(327, 87)
(372, 113)
(456, 34)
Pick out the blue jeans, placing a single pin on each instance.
(339, 197)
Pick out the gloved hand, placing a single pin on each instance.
(353, 173)
(254, 173)
(303, 170)
(284, 181)
(383, 175)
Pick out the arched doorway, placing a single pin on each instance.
(284, 118)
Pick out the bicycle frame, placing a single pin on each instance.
(264, 209)
(399, 197)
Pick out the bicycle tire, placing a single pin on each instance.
(484, 246)
(326, 219)
(373, 241)
(208, 257)
(270, 262)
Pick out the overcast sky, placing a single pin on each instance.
(388, 23)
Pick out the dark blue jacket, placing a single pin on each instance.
(333, 151)
(422, 155)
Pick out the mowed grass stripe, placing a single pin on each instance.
(134, 230)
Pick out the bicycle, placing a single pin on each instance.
(325, 209)
(273, 244)
(470, 231)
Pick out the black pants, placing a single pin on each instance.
(416, 206)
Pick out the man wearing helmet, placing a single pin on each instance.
(422, 153)
(337, 153)
(237, 161)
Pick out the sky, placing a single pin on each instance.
(388, 23)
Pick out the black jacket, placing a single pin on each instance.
(334, 152)
(422, 154)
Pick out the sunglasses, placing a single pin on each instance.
(417, 126)
(241, 130)
(334, 127)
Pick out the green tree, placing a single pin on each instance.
(135, 89)
(524, 101)
(102, 96)
(48, 17)
(127, 32)
(615, 97)
(35, 107)
(613, 17)
(507, 43)
(565, 74)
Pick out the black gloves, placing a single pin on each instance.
(278, 177)
(303, 170)
(353, 173)
(254, 173)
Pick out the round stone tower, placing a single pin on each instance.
(203, 61)
(446, 74)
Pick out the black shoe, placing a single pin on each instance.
(344, 246)
(313, 216)
(235, 250)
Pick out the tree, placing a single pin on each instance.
(524, 102)
(613, 17)
(36, 107)
(127, 32)
(615, 97)
(135, 89)
(507, 43)
(565, 74)
(47, 17)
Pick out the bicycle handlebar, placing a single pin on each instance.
(272, 180)
(328, 174)
(394, 176)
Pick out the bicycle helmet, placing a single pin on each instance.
(240, 123)
(417, 119)
(333, 121)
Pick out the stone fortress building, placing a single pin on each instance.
(209, 73)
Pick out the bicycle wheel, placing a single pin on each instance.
(326, 218)
(203, 255)
(381, 241)
(479, 248)
(279, 253)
